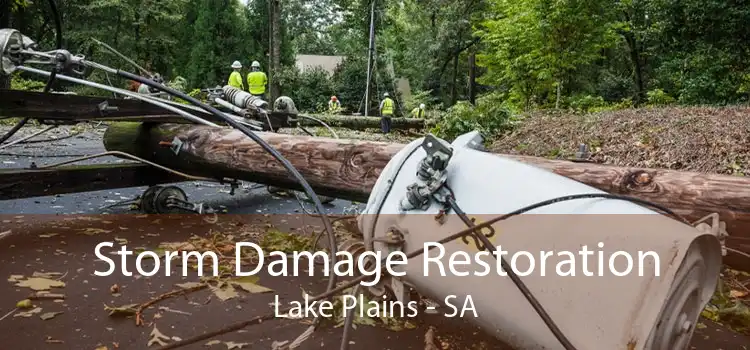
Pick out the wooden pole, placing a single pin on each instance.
(348, 169)
(362, 123)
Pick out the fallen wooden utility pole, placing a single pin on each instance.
(362, 123)
(348, 169)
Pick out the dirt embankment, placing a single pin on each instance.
(702, 139)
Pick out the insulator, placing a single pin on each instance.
(243, 99)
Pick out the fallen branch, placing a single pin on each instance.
(141, 307)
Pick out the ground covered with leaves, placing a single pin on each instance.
(53, 298)
(703, 139)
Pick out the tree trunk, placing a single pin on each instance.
(472, 77)
(275, 61)
(454, 89)
(348, 169)
(635, 58)
(362, 123)
(4, 23)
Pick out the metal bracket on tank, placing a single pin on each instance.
(716, 228)
(432, 175)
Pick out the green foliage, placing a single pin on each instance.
(586, 103)
(19, 83)
(658, 97)
(310, 89)
(490, 116)
(418, 97)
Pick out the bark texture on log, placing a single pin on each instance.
(348, 169)
(341, 168)
(362, 123)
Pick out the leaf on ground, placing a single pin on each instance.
(47, 274)
(157, 337)
(232, 345)
(737, 294)
(224, 291)
(50, 340)
(177, 246)
(189, 285)
(278, 345)
(15, 278)
(101, 348)
(275, 240)
(39, 283)
(48, 235)
(24, 304)
(248, 283)
(28, 313)
(90, 231)
(125, 310)
(212, 343)
(49, 315)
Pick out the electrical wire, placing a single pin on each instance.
(48, 86)
(272, 151)
(383, 263)
(336, 136)
(135, 95)
(130, 156)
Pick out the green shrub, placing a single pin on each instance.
(19, 83)
(585, 103)
(658, 97)
(490, 116)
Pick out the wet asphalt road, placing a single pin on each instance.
(45, 237)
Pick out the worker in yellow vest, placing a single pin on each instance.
(235, 79)
(386, 113)
(334, 105)
(257, 80)
(418, 112)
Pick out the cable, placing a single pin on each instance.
(473, 229)
(349, 322)
(514, 277)
(127, 155)
(135, 95)
(48, 86)
(321, 123)
(273, 152)
(411, 255)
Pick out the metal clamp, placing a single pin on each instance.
(432, 173)
(176, 145)
(104, 108)
(716, 228)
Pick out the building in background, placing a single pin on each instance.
(327, 63)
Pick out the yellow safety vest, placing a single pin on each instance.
(417, 113)
(256, 82)
(235, 80)
(387, 107)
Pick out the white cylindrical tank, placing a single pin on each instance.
(594, 312)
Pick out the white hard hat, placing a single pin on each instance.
(385, 94)
(255, 64)
(236, 64)
(421, 106)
